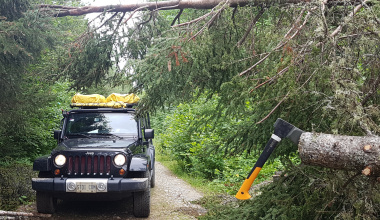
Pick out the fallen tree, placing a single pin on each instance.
(339, 152)
(353, 153)
(62, 11)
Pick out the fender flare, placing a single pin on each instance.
(138, 163)
(152, 158)
(42, 163)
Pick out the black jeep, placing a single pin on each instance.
(102, 154)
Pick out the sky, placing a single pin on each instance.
(105, 2)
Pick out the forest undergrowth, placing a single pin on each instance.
(301, 192)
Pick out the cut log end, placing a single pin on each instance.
(366, 171)
(367, 148)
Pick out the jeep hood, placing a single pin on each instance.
(97, 143)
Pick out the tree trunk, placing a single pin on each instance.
(61, 11)
(355, 153)
(7, 214)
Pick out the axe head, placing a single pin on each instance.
(284, 129)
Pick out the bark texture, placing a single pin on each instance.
(355, 153)
(61, 11)
(7, 214)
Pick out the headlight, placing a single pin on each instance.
(120, 160)
(60, 160)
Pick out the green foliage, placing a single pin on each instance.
(188, 144)
(209, 64)
(306, 193)
(90, 62)
(316, 81)
(330, 85)
(199, 146)
(13, 9)
(315, 93)
(28, 132)
(31, 94)
(15, 187)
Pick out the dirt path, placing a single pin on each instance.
(170, 199)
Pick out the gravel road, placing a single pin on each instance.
(170, 199)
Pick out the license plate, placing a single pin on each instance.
(86, 187)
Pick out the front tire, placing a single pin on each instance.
(141, 200)
(46, 203)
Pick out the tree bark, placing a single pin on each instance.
(24, 214)
(354, 153)
(61, 11)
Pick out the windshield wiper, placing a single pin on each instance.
(109, 135)
(79, 134)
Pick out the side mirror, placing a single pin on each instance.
(57, 134)
(148, 134)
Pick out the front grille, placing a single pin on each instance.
(89, 165)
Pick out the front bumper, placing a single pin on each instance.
(58, 184)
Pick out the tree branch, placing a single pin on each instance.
(254, 21)
(208, 24)
(133, 12)
(177, 17)
(283, 42)
(340, 27)
(372, 91)
(144, 22)
(265, 118)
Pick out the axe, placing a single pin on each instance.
(282, 129)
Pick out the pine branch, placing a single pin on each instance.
(254, 21)
(351, 15)
(271, 112)
(285, 40)
(177, 17)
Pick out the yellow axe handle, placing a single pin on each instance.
(271, 145)
(243, 193)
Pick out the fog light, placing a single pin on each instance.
(57, 172)
(71, 186)
(121, 172)
(102, 186)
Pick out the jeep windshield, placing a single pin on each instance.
(101, 125)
